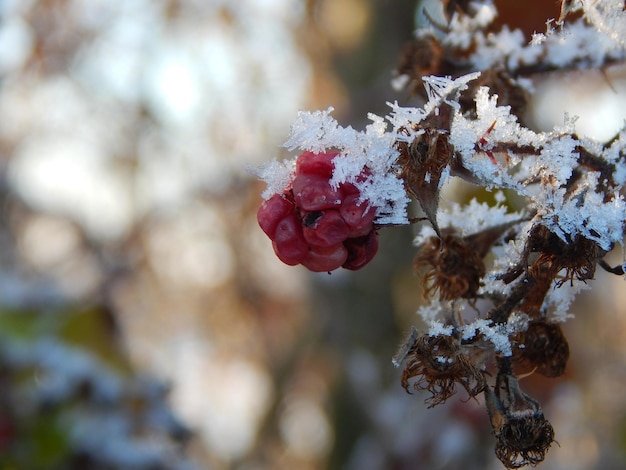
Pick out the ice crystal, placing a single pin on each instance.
(558, 301)
(313, 130)
(471, 218)
(276, 175)
(583, 213)
(441, 89)
(372, 149)
(498, 334)
(437, 328)
(588, 42)
(607, 16)
(430, 312)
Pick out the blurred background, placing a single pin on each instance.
(145, 322)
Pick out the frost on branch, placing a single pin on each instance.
(497, 282)
(501, 316)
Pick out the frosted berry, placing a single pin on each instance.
(320, 164)
(289, 243)
(273, 211)
(317, 225)
(325, 228)
(358, 217)
(361, 250)
(314, 193)
(321, 259)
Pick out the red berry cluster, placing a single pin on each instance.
(313, 224)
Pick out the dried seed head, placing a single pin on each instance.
(439, 364)
(551, 255)
(420, 57)
(578, 257)
(542, 347)
(523, 434)
(524, 441)
(422, 163)
(579, 260)
(455, 267)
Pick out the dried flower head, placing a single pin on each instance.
(578, 257)
(421, 56)
(549, 260)
(543, 348)
(524, 440)
(422, 164)
(523, 434)
(439, 364)
(455, 267)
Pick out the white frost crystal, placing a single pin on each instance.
(372, 149)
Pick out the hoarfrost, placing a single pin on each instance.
(437, 328)
(498, 334)
(471, 218)
(430, 312)
(441, 89)
(312, 130)
(463, 28)
(587, 42)
(557, 159)
(607, 16)
(371, 150)
(444, 359)
(473, 138)
(276, 175)
(583, 213)
(559, 300)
